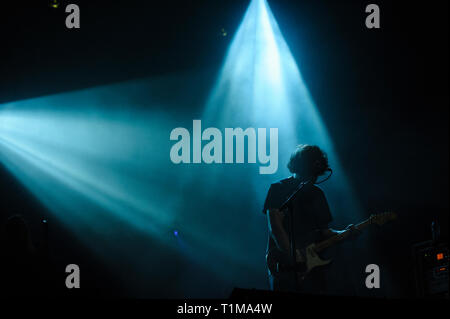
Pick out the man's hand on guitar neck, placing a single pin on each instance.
(350, 231)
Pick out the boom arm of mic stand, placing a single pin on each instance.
(288, 201)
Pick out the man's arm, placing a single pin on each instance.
(323, 216)
(276, 230)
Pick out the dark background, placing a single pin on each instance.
(383, 94)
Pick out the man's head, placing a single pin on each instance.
(308, 161)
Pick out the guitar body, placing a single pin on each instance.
(309, 259)
(312, 259)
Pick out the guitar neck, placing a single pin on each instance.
(341, 236)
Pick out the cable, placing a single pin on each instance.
(331, 173)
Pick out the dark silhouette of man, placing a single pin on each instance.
(311, 216)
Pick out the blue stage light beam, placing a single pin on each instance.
(96, 155)
(98, 159)
(260, 85)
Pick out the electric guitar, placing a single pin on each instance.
(309, 258)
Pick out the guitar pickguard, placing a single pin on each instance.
(313, 260)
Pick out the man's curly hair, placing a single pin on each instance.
(308, 158)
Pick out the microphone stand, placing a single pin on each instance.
(288, 205)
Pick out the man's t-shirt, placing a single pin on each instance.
(310, 209)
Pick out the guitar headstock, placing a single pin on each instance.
(382, 218)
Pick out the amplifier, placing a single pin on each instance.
(431, 269)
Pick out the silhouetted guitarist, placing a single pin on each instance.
(311, 216)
